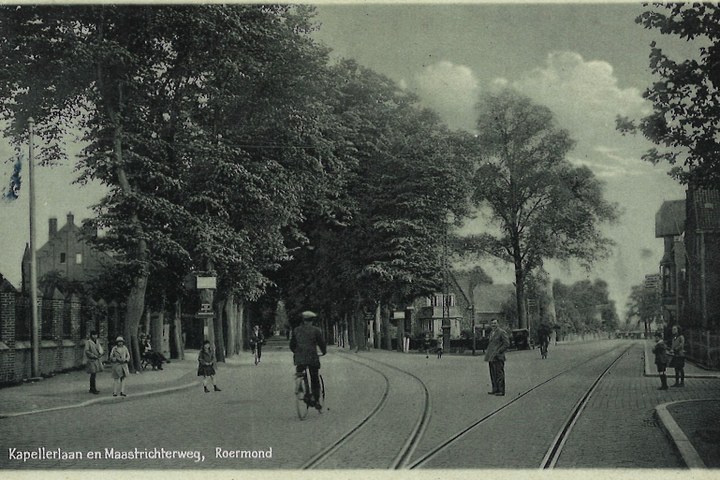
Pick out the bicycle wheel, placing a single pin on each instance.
(300, 391)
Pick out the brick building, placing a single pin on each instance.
(65, 252)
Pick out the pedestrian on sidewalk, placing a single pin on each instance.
(661, 359)
(206, 366)
(93, 356)
(119, 358)
(678, 356)
(498, 343)
(257, 339)
(439, 346)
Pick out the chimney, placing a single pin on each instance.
(70, 219)
(53, 226)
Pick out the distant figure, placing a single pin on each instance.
(495, 356)
(119, 358)
(661, 359)
(93, 355)
(439, 346)
(543, 340)
(257, 339)
(206, 366)
(678, 356)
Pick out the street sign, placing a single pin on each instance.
(206, 282)
(652, 282)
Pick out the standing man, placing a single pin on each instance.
(495, 356)
(305, 341)
(93, 356)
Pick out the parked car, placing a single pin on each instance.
(520, 339)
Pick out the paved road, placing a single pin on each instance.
(255, 415)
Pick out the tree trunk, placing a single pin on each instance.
(228, 308)
(136, 298)
(177, 337)
(376, 326)
(520, 294)
(385, 340)
(239, 330)
(219, 334)
(133, 313)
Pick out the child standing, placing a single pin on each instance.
(206, 366)
(440, 346)
(661, 359)
(119, 358)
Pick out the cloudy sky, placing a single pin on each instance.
(588, 63)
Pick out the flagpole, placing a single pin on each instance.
(33, 258)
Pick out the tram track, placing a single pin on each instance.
(420, 461)
(555, 450)
(327, 452)
(403, 458)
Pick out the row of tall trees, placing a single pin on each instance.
(229, 143)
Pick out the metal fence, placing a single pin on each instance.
(703, 347)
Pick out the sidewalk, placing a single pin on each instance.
(70, 390)
(692, 425)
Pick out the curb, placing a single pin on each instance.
(98, 400)
(682, 443)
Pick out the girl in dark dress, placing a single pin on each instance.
(206, 366)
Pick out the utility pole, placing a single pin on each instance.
(35, 332)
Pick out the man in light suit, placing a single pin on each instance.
(495, 356)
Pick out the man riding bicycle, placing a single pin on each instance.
(304, 343)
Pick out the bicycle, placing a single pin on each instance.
(303, 393)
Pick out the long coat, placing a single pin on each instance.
(305, 341)
(93, 354)
(660, 351)
(119, 358)
(499, 342)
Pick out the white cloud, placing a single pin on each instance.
(449, 89)
(586, 99)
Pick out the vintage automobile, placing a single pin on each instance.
(520, 339)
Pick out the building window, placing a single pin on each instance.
(78, 258)
(667, 280)
(438, 300)
(62, 258)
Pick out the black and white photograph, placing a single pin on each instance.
(461, 239)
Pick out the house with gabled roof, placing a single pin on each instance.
(67, 253)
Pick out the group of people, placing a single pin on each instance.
(119, 358)
(672, 356)
(438, 345)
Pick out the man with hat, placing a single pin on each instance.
(305, 341)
